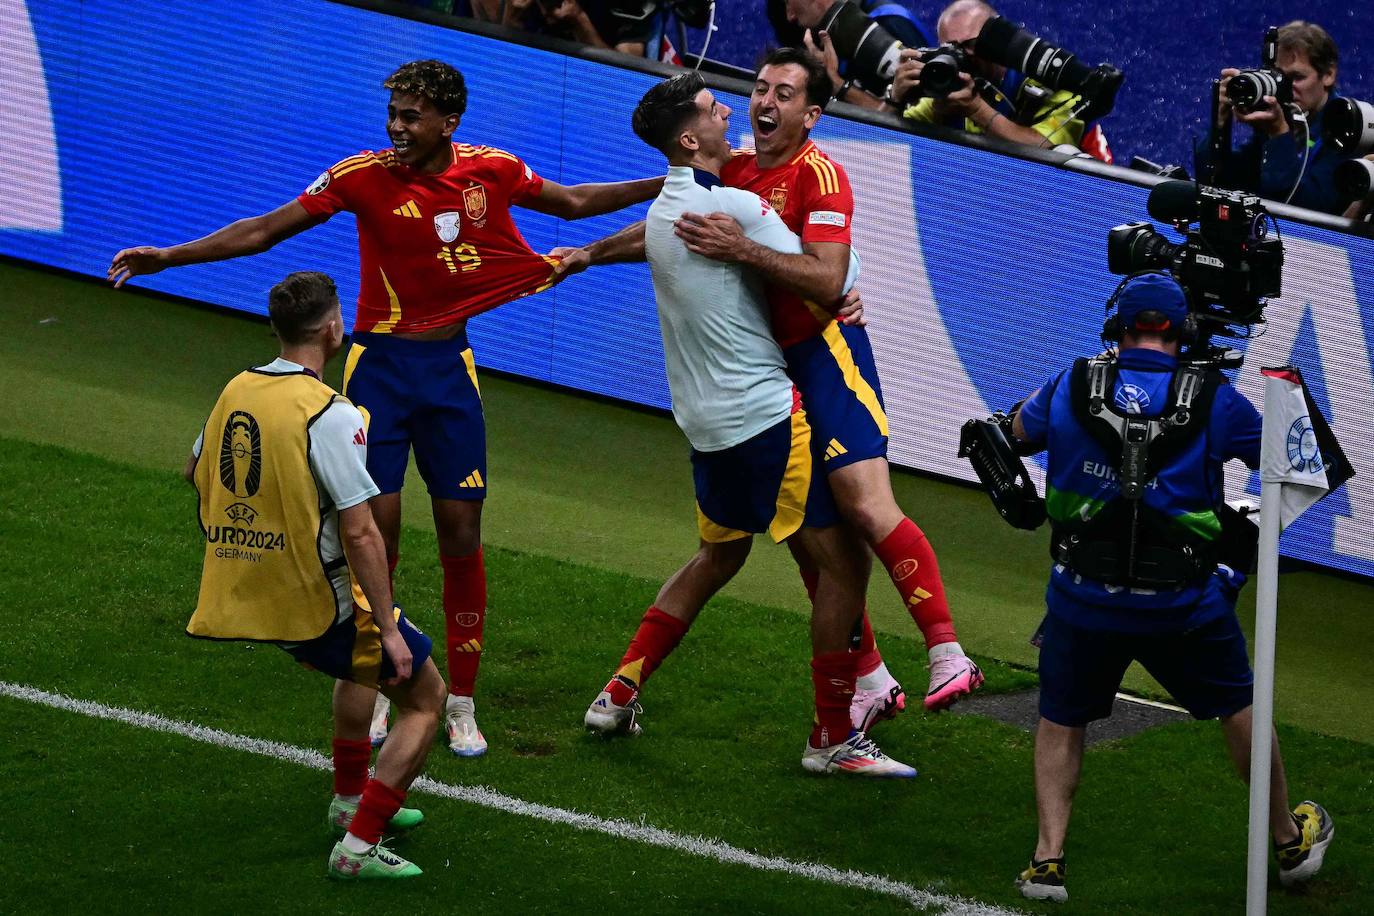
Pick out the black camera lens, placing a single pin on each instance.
(1247, 89)
(1137, 246)
(940, 73)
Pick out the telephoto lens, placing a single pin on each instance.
(1247, 89)
(869, 47)
(1355, 179)
(1348, 125)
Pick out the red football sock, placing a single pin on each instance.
(910, 561)
(656, 638)
(867, 648)
(832, 675)
(867, 655)
(350, 765)
(379, 804)
(465, 611)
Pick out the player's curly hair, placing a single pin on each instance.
(435, 80)
(664, 109)
(299, 305)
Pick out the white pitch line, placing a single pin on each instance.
(1142, 701)
(702, 847)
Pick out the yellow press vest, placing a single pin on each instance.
(263, 576)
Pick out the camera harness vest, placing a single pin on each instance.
(1127, 543)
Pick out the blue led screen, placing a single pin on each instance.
(982, 273)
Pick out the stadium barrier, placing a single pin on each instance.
(982, 271)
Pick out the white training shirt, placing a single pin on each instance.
(338, 459)
(725, 371)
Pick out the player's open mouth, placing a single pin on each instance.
(402, 146)
(766, 125)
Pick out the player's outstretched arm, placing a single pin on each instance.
(366, 553)
(246, 236)
(624, 247)
(817, 273)
(581, 200)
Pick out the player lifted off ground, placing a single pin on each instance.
(753, 456)
(437, 244)
(281, 471)
(831, 362)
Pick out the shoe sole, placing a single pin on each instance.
(466, 751)
(821, 768)
(1032, 891)
(1311, 865)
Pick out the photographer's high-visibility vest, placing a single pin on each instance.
(263, 576)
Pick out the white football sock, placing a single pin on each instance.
(356, 846)
(945, 648)
(875, 679)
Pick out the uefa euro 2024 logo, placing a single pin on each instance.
(1303, 454)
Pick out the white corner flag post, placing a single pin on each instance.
(1293, 475)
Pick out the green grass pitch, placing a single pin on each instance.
(590, 507)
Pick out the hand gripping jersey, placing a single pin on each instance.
(812, 195)
(434, 249)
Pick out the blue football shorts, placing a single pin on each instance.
(768, 483)
(422, 393)
(838, 381)
(351, 650)
(1205, 669)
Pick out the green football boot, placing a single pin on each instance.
(377, 862)
(341, 816)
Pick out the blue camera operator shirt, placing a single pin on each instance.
(1081, 478)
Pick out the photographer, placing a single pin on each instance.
(853, 82)
(1285, 159)
(1137, 543)
(992, 100)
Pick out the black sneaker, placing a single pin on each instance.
(1044, 880)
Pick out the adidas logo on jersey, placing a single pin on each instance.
(408, 209)
(473, 480)
(835, 450)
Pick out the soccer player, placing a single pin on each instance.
(831, 362)
(753, 458)
(437, 244)
(292, 556)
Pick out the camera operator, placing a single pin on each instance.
(1138, 548)
(993, 100)
(1285, 159)
(853, 83)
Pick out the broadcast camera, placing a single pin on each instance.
(1228, 265)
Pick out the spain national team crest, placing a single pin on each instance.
(778, 198)
(446, 224)
(475, 202)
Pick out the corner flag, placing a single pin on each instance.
(1299, 451)
(1300, 462)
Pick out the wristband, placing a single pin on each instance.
(843, 90)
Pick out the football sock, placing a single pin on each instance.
(910, 561)
(379, 804)
(869, 659)
(656, 638)
(350, 766)
(943, 649)
(865, 646)
(832, 676)
(465, 611)
(875, 679)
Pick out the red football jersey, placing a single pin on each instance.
(434, 249)
(812, 195)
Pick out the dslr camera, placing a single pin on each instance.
(1228, 263)
(940, 75)
(1247, 89)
